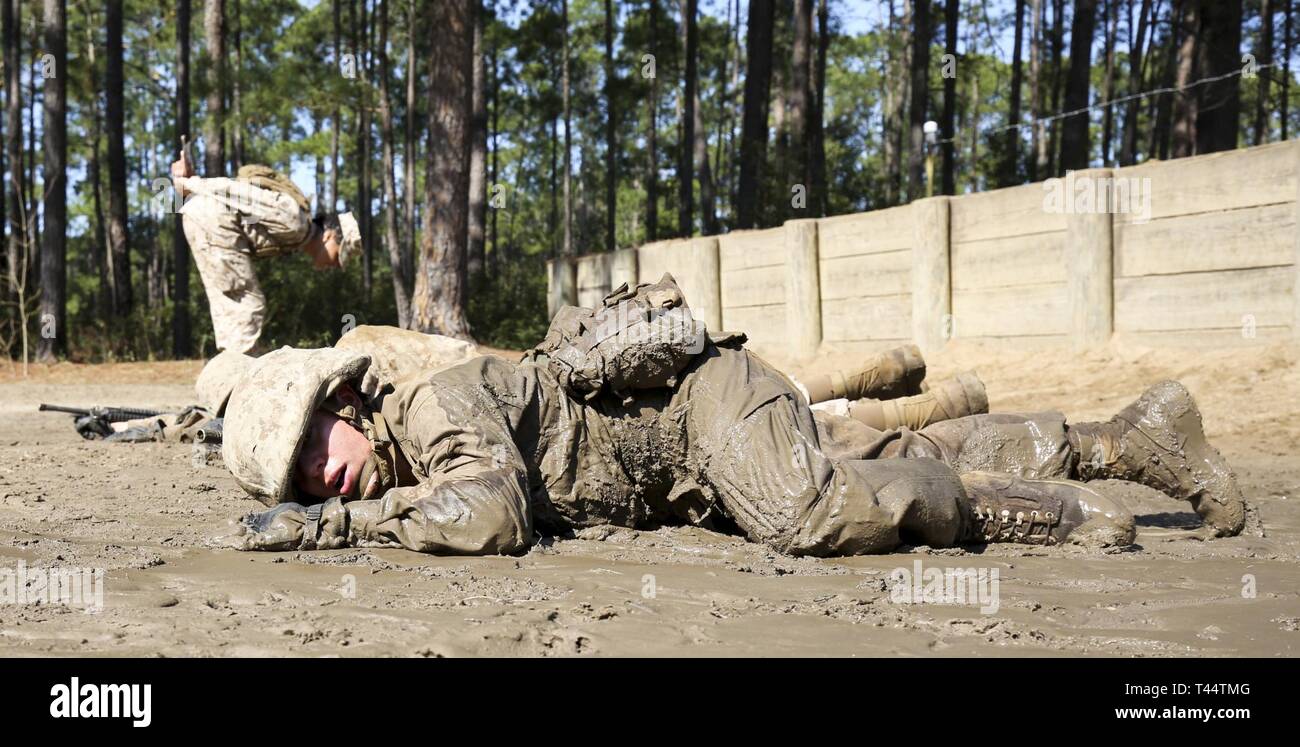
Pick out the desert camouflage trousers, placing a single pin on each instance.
(225, 264)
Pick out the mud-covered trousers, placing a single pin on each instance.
(833, 486)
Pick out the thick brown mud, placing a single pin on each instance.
(142, 513)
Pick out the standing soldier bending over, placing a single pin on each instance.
(258, 214)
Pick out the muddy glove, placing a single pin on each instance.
(91, 427)
(290, 526)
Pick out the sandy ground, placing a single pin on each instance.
(142, 513)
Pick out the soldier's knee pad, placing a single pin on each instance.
(924, 496)
(919, 475)
(865, 512)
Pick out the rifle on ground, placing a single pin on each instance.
(97, 422)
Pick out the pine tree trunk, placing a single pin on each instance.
(5, 290)
(797, 104)
(498, 257)
(1038, 135)
(155, 270)
(439, 298)
(952, 13)
(753, 137)
(336, 121)
(1058, 79)
(1009, 171)
(236, 103)
(974, 136)
(1136, 64)
(214, 31)
(33, 212)
(1218, 124)
(118, 236)
(896, 101)
(319, 173)
(1265, 58)
(780, 159)
(361, 210)
(567, 248)
(15, 207)
(478, 157)
(1110, 15)
(553, 220)
(652, 134)
(817, 131)
(181, 347)
(1076, 146)
(54, 248)
(392, 239)
(611, 134)
(99, 258)
(686, 148)
(708, 193)
(1161, 108)
(412, 118)
(718, 167)
(1187, 102)
(918, 108)
(1286, 72)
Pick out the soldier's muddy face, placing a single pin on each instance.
(333, 458)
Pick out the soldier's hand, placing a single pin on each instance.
(289, 526)
(280, 528)
(182, 168)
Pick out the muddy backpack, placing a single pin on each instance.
(266, 177)
(640, 338)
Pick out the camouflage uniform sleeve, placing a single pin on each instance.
(472, 498)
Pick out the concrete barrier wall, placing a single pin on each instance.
(593, 279)
(1217, 256)
(1194, 251)
(866, 278)
(753, 282)
(1008, 266)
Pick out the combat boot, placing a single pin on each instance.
(894, 373)
(945, 400)
(1006, 508)
(1159, 441)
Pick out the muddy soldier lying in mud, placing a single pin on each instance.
(633, 415)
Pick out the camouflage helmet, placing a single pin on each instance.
(269, 412)
(217, 379)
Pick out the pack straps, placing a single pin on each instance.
(266, 177)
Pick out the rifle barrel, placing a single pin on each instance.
(60, 408)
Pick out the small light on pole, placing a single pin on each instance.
(931, 129)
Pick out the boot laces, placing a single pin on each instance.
(1031, 527)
